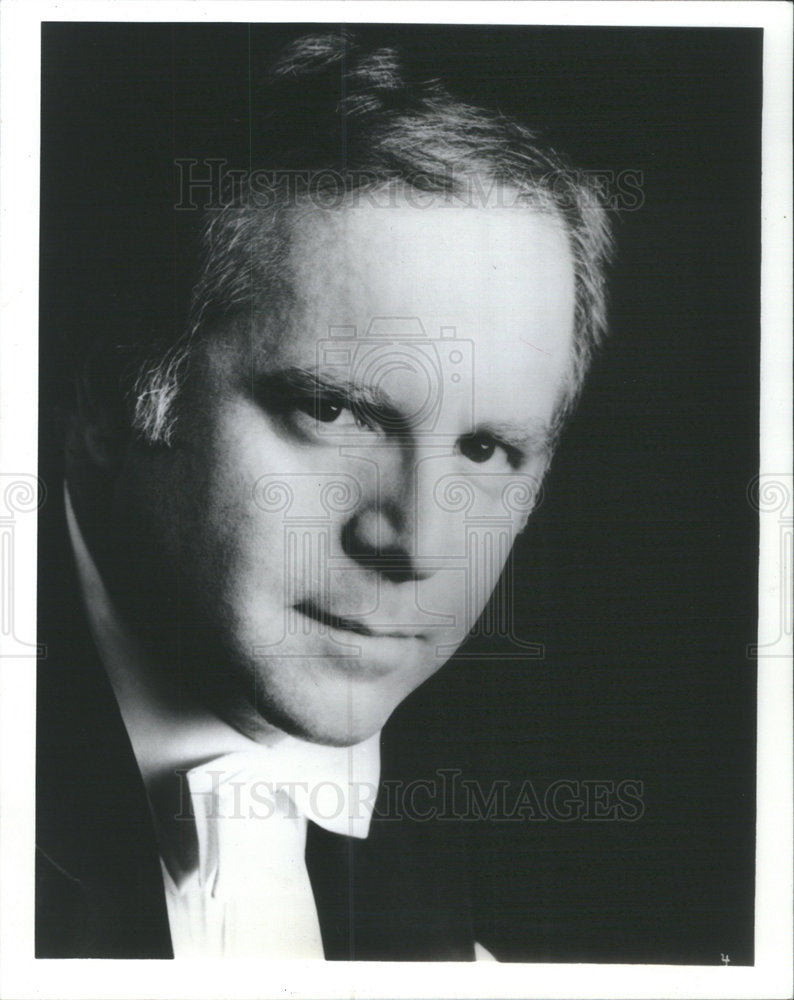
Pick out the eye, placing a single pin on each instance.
(323, 409)
(477, 447)
(481, 448)
(326, 408)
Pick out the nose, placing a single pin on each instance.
(379, 537)
(390, 531)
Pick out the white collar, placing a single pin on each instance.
(334, 786)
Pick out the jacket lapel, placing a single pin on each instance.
(99, 889)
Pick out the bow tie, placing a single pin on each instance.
(250, 894)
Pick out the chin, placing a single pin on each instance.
(339, 722)
(321, 727)
(338, 712)
(311, 694)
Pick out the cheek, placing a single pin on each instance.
(492, 561)
(238, 540)
(250, 493)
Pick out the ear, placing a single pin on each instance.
(102, 425)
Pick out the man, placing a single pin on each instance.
(285, 508)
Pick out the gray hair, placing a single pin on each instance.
(338, 123)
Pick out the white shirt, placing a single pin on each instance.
(232, 839)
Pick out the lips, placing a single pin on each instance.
(346, 624)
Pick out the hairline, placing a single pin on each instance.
(157, 388)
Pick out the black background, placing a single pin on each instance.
(638, 571)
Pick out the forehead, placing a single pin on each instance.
(432, 263)
(499, 279)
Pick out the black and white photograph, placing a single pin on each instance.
(405, 433)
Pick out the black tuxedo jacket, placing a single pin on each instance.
(650, 891)
(402, 894)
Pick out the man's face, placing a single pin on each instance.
(345, 485)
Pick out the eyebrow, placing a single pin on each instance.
(536, 437)
(533, 438)
(295, 379)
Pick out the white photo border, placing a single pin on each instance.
(22, 976)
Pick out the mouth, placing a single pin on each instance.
(344, 624)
